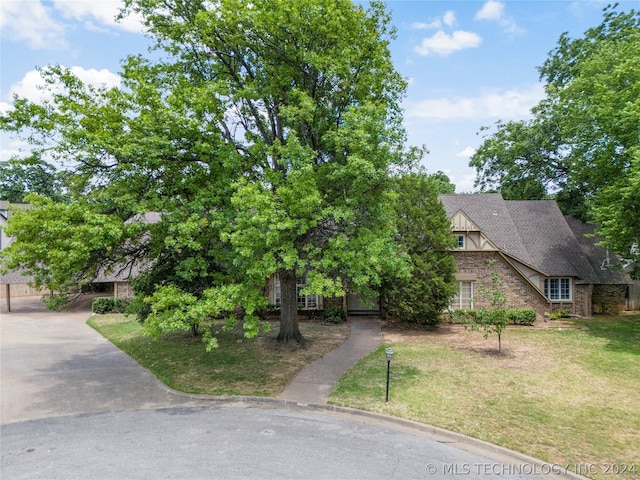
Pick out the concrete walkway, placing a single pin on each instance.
(316, 381)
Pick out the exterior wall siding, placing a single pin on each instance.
(21, 290)
(519, 293)
(609, 298)
(331, 302)
(633, 299)
(122, 289)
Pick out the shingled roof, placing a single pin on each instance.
(490, 213)
(535, 233)
(605, 265)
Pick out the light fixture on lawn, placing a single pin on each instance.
(389, 353)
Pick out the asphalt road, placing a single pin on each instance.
(75, 407)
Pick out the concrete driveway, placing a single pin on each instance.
(74, 406)
(53, 364)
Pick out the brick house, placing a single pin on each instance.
(545, 259)
(351, 302)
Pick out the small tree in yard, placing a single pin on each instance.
(495, 318)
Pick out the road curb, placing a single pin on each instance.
(519, 461)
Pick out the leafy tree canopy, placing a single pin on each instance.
(19, 177)
(263, 139)
(581, 147)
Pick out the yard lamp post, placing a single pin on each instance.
(389, 353)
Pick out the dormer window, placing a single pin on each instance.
(460, 241)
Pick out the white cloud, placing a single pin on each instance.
(33, 24)
(97, 77)
(466, 153)
(494, 11)
(12, 148)
(491, 10)
(5, 107)
(462, 177)
(443, 44)
(449, 18)
(510, 104)
(101, 11)
(42, 26)
(31, 85)
(426, 26)
(464, 181)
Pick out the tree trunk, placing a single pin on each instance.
(289, 329)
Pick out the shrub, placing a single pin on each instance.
(462, 315)
(335, 315)
(138, 307)
(56, 301)
(103, 305)
(560, 314)
(522, 316)
(270, 312)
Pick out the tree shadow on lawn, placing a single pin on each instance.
(622, 332)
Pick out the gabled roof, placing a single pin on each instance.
(550, 244)
(535, 233)
(605, 265)
(489, 212)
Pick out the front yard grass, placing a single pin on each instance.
(240, 366)
(566, 394)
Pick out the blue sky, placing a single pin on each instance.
(468, 63)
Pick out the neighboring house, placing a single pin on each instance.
(15, 284)
(12, 283)
(546, 260)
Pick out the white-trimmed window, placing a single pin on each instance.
(463, 299)
(460, 241)
(305, 302)
(557, 289)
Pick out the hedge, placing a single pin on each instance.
(522, 316)
(109, 305)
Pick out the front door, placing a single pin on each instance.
(357, 305)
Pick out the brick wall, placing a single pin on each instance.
(609, 298)
(330, 302)
(519, 293)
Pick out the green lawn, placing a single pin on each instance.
(239, 366)
(567, 394)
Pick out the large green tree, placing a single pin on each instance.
(581, 145)
(424, 233)
(21, 176)
(263, 138)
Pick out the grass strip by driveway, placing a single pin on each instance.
(240, 366)
(568, 395)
